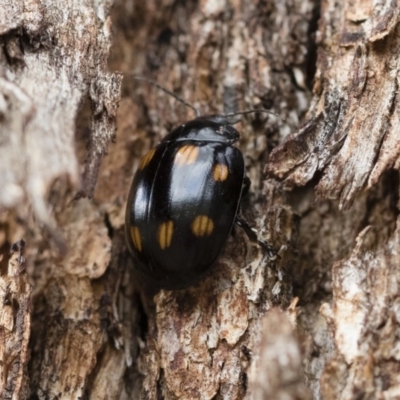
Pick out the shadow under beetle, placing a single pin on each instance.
(184, 200)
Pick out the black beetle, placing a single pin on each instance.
(184, 200)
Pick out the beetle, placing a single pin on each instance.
(184, 201)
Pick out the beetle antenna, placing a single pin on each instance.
(174, 95)
(255, 110)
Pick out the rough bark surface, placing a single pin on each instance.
(15, 326)
(53, 59)
(350, 141)
(319, 322)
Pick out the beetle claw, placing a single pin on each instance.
(272, 252)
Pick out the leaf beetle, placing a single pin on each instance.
(184, 200)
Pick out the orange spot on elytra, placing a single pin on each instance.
(136, 238)
(164, 234)
(202, 226)
(187, 154)
(220, 172)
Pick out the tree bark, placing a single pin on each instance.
(318, 322)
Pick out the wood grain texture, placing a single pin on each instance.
(15, 326)
(354, 108)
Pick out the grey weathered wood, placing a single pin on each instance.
(53, 59)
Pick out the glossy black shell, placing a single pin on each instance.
(183, 202)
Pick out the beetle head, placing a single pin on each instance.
(211, 128)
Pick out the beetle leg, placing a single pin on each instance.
(246, 185)
(253, 237)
